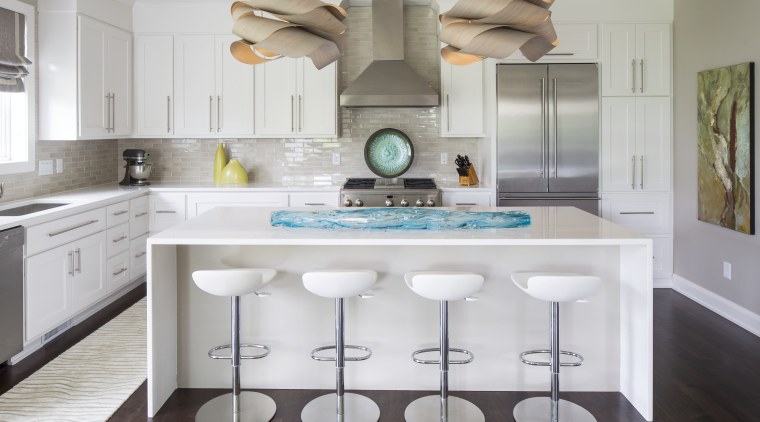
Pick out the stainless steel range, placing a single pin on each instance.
(398, 192)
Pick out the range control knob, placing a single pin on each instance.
(389, 202)
(359, 203)
(404, 203)
(419, 203)
(430, 203)
(347, 203)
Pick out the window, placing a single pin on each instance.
(17, 109)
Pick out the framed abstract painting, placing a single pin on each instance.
(725, 162)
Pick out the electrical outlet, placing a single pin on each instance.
(444, 158)
(46, 167)
(59, 165)
(727, 270)
(336, 158)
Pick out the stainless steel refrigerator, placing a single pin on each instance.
(548, 135)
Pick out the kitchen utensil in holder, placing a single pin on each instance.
(471, 179)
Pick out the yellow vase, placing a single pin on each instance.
(234, 174)
(220, 160)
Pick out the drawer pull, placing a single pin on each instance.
(66, 230)
(119, 239)
(123, 270)
(142, 214)
(314, 203)
(166, 212)
(140, 255)
(466, 203)
(116, 214)
(637, 213)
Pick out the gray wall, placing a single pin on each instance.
(710, 34)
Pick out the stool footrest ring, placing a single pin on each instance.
(347, 359)
(470, 358)
(579, 362)
(266, 349)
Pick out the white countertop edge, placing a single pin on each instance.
(179, 241)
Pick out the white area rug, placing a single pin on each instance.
(88, 382)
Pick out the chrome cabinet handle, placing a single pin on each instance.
(71, 263)
(633, 76)
(113, 112)
(119, 239)
(636, 212)
(141, 214)
(300, 113)
(123, 270)
(633, 172)
(108, 112)
(448, 113)
(642, 76)
(165, 212)
(543, 130)
(559, 54)
(141, 254)
(556, 121)
(210, 113)
(218, 113)
(79, 260)
(168, 114)
(642, 173)
(68, 229)
(118, 213)
(292, 114)
(466, 203)
(312, 204)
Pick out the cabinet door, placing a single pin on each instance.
(653, 55)
(317, 99)
(92, 69)
(166, 210)
(276, 97)
(619, 63)
(154, 80)
(119, 81)
(234, 91)
(618, 144)
(138, 251)
(89, 282)
(653, 143)
(117, 271)
(139, 217)
(578, 41)
(46, 294)
(462, 103)
(194, 85)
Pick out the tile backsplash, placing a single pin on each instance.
(191, 160)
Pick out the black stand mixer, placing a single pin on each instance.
(137, 169)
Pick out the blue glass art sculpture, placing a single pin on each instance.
(400, 219)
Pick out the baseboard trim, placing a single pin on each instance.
(663, 283)
(737, 314)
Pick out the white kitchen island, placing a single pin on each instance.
(612, 330)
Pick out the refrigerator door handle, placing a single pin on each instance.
(543, 128)
(556, 151)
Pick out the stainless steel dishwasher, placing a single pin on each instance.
(11, 292)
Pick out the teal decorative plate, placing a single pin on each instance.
(388, 153)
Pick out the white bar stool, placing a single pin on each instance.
(554, 288)
(443, 286)
(242, 406)
(340, 406)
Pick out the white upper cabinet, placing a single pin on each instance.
(234, 90)
(462, 100)
(85, 78)
(636, 147)
(577, 41)
(636, 59)
(154, 84)
(295, 99)
(195, 98)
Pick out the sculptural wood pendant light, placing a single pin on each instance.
(271, 29)
(479, 29)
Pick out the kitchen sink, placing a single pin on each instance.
(29, 209)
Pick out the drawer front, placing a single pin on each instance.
(117, 271)
(64, 230)
(579, 41)
(646, 214)
(315, 199)
(138, 217)
(138, 257)
(466, 199)
(117, 239)
(117, 214)
(663, 257)
(199, 203)
(166, 210)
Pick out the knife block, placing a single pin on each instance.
(471, 179)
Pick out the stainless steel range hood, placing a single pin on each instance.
(388, 81)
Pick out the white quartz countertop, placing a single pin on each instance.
(77, 201)
(259, 186)
(251, 226)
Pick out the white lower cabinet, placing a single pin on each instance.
(198, 203)
(663, 257)
(117, 271)
(138, 257)
(466, 199)
(166, 210)
(63, 281)
(138, 217)
(314, 199)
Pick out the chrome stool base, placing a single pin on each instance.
(428, 409)
(356, 408)
(254, 407)
(539, 409)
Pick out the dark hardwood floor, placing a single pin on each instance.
(705, 369)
